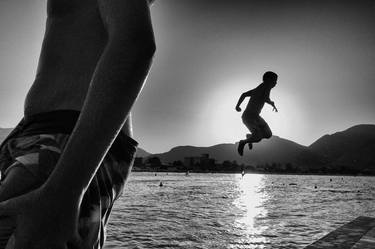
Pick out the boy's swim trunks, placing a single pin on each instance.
(36, 145)
(256, 124)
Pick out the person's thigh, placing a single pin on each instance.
(250, 122)
(254, 123)
(264, 129)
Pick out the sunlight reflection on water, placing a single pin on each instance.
(251, 200)
(222, 211)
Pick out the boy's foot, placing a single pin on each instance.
(248, 136)
(250, 146)
(241, 145)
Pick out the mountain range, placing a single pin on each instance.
(275, 149)
(353, 147)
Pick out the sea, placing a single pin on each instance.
(234, 211)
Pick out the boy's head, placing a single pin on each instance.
(270, 78)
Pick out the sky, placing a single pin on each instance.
(209, 52)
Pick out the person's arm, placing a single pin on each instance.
(270, 102)
(47, 217)
(116, 83)
(241, 99)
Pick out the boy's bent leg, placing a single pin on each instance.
(248, 136)
(265, 130)
(250, 120)
(253, 122)
(250, 139)
(259, 129)
(241, 146)
(254, 138)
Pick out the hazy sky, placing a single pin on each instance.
(209, 52)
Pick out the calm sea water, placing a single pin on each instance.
(228, 211)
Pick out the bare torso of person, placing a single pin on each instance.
(257, 100)
(73, 43)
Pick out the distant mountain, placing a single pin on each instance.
(142, 153)
(272, 150)
(4, 133)
(353, 147)
(351, 150)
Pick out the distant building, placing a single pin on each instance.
(203, 160)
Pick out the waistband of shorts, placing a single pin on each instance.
(54, 122)
(59, 121)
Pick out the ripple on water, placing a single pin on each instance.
(226, 211)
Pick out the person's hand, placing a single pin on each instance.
(44, 220)
(238, 108)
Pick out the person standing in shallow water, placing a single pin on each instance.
(254, 122)
(67, 161)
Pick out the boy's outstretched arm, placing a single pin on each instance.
(241, 99)
(48, 216)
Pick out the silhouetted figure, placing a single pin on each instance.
(254, 122)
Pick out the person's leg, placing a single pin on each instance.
(264, 129)
(259, 130)
(248, 139)
(254, 123)
(254, 137)
(249, 121)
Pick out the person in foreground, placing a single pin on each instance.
(67, 161)
(254, 122)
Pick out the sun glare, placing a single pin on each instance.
(225, 124)
(251, 201)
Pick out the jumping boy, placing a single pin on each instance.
(254, 122)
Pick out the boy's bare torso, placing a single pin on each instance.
(73, 43)
(257, 100)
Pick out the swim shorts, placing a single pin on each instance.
(36, 145)
(256, 125)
